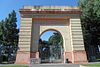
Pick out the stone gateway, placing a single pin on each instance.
(37, 19)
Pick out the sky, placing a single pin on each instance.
(46, 35)
(6, 6)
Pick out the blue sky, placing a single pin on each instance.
(46, 35)
(6, 6)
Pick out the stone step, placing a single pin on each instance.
(54, 65)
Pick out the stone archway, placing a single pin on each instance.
(51, 24)
(64, 19)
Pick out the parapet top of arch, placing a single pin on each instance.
(50, 10)
(51, 18)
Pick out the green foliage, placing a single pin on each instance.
(0, 28)
(9, 35)
(90, 19)
(51, 48)
(90, 16)
(10, 30)
(90, 23)
(56, 39)
(1, 32)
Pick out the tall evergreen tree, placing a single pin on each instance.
(91, 26)
(10, 30)
(0, 32)
(10, 35)
(2, 50)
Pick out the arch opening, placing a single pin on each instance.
(50, 46)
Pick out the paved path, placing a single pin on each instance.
(49, 65)
(44, 65)
(55, 65)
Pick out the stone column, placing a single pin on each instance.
(79, 54)
(23, 54)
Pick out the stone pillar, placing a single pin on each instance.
(80, 57)
(35, 55)
(78, 51)
(68, 55)
(23, 54)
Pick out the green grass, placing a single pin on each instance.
(15, 66)
(92, 65)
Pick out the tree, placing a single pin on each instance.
(56, 45)
(0, 42)
(91, 25)
(52, 48)
(9, 35)
(10, 29)
(56, 39)
(1, 32)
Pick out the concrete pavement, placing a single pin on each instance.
(54, 65)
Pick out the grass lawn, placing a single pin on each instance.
(15, 66)
(92, 65)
